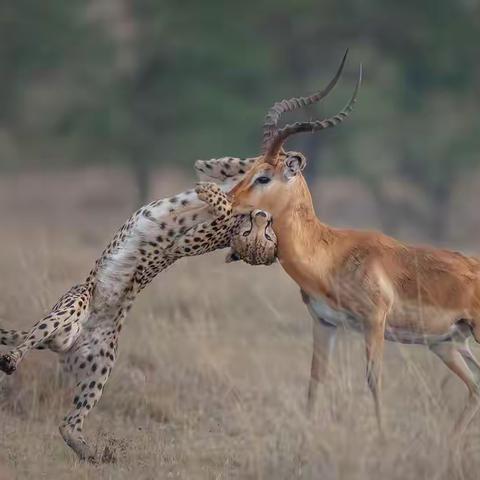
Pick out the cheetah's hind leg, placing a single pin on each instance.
(12, 338)
(56, 331)
(90, 361)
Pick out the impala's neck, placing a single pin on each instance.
(303, 241)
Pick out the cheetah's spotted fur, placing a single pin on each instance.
(84, 326)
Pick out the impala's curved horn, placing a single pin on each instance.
(279, 136)
(279, 108)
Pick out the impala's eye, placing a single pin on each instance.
(263, 180)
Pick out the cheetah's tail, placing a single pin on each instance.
(12, 338)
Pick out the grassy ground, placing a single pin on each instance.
(213, 368)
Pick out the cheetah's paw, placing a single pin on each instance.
(207, 191)
(211, 194)
(8, 363)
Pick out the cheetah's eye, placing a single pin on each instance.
(263, 180)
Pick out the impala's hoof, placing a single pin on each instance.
(8, 363)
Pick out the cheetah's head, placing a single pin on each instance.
(254, 240)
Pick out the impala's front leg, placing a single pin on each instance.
(374, 342)
(323, 345)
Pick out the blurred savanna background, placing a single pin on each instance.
(106, 104)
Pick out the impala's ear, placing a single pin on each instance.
(294, 163)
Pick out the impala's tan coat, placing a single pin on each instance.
(362, 279)
(367, 280)
(328, 262)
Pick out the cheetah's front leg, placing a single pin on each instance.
(212, 235)
(218, 203)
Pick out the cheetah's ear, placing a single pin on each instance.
(294, 164)
(232, 256)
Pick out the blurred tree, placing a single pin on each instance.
(48, 55)
(151, 82)
(183, 75)
(421, 72)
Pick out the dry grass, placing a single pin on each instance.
(212, 374)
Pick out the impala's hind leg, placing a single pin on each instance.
(470, 360)
(459, 359)
(91, 362)
(56, 330)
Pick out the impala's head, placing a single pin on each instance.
(276, 178)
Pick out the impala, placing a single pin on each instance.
(364, 280)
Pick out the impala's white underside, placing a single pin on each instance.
(342, 318)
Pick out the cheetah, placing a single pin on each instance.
(84, 325)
